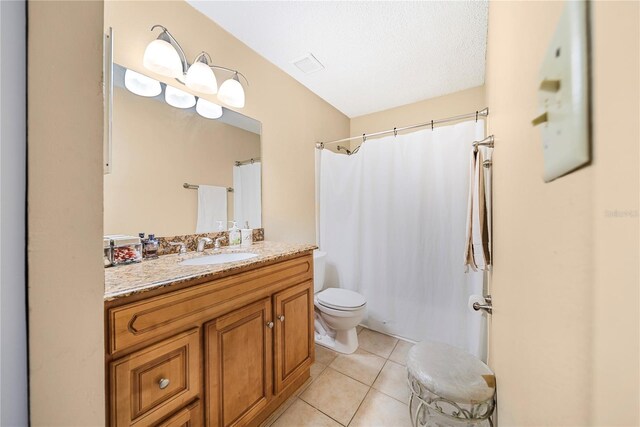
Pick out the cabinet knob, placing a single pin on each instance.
(270, 325)
(281, 318)
(163, 383)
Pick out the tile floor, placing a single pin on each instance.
(366, 388)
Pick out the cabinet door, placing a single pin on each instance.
(238, 365)
(294, 339)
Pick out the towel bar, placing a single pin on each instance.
(195, 187)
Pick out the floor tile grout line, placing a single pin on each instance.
(321, 411)
(358, 408)
(374, 380)
(356, 411)
(377, 376)
(386, 394)
(285, 410)
(355, 379)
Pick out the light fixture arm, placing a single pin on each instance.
(235, 72)
(172, 40)
(205, 58)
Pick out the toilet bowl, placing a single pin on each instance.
(338, 311)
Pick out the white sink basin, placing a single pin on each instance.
(218, 259)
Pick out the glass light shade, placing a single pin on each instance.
(201, 78)
(162, 58)
(178, 98)
(208, 109)
(232, 93)
(141, 84)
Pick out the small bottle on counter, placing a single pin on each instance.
(246, 235)
(234, 234)
(150, 247)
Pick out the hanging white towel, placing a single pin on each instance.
(212, 207)
(477, 248)
(246, 195)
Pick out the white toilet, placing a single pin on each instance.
(338, 311)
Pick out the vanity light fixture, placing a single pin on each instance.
(178, 98)
(141, 84)
(165, 56)
(208, 109)
(231, 92)
(200, 76)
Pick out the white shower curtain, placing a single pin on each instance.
(247, 203)
(392, 221)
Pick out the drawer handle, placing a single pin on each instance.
(281, 318)
(163, 383)
(270, 325)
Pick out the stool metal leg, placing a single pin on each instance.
(434, 411)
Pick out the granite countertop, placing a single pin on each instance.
(126, 280)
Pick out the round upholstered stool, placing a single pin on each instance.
(449, 387)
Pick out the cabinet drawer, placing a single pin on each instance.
(191, 416)
(151, 383)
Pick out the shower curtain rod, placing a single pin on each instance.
(481, 113)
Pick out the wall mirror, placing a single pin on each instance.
(176, 169)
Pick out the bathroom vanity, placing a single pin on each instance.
(214, 345)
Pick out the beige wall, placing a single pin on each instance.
(66, 277)
(155, 149)
(565, 332)
(292, 117)
(454, 104)
(615, 369)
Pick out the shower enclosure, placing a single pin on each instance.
(392, 220)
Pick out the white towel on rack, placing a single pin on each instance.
(247, 203)
(212, 207)
(477, 250)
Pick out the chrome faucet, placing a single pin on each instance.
(202, 242)
(218, 242)
(183, 247)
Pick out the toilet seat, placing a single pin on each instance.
(340, 299)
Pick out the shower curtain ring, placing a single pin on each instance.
(395, 132)
(476, 116)
(364, 137)
(432, 125)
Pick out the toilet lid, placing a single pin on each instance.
(340, 299)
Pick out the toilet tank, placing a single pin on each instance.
(319, 263)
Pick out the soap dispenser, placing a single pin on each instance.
(234, 234)
(246, 235)
(150, 247)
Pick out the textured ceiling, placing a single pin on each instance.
(377, 55)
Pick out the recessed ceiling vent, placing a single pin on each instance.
(308, 64)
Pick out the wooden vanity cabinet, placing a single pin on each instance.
(220, 353)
